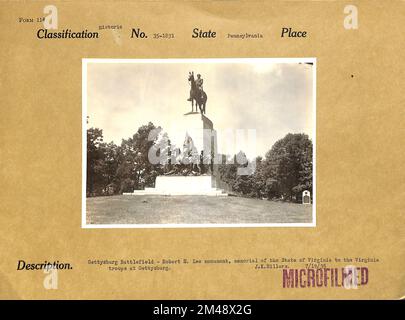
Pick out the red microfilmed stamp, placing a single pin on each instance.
(349, 277)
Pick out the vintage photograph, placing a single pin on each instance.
(199, 142)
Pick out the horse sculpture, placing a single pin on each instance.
(199, 96)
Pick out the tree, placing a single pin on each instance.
(134, 170)
(111, 154)
(284, 173)
(259, 179)
(241, 184)
(101, 164)
(95, 161)
(115, 169)
(288, 166)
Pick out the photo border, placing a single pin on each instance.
(86, 61)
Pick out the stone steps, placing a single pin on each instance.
(214, 192)
(182, 186)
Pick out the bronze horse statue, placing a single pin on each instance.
(199, 96)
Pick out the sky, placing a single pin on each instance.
(271, 98)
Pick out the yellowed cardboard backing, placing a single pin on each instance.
(360, 150)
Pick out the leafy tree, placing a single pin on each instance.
(284, 173)
(134, 170)
(95, 161)
(288, 166)
(241, 184)
(259, 179)
(228, 171)
(111, 153)
(115, 169)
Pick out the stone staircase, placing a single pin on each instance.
(183, 186)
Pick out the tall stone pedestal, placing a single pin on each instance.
(201, 130)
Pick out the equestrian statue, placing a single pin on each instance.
(197, 93)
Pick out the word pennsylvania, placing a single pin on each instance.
(66, 34)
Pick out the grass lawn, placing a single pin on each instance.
(192, 209)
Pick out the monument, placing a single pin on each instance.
(200, 175)
(306, 197)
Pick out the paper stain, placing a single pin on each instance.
(116, 37)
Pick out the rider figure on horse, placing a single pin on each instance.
(199, 84)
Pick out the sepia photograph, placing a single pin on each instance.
(199, 142)
(205, 158)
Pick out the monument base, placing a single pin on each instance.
(182, 185)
